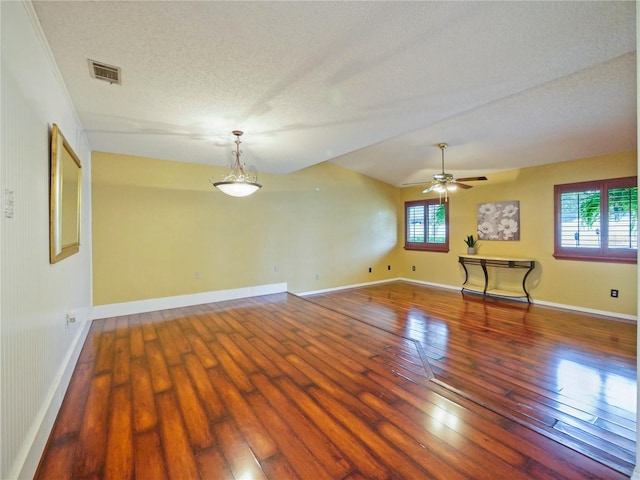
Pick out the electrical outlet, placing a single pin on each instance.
(388, 267)
(413, 268)
(198, 275)
(370, 269)
(614, 293)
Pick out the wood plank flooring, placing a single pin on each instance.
(394, 381)
(569, 376)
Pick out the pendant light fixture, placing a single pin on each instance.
(237, 182)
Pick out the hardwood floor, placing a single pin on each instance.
(567, 375)
(389, 381)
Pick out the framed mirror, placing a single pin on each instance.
(64, 202)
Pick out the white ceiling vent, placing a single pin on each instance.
(102, 71)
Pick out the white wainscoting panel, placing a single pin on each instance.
(37, 348)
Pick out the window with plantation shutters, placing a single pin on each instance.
(597, 220)
(427, 225)
(623, 216)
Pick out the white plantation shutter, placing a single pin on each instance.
(597, 220)
(426, 225)
(623, 225)
(436, 229)
(415, 223)
(577, 231)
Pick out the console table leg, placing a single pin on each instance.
(483, 264)
(524, 281)
(466, 274)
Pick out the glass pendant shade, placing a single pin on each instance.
(237, 188)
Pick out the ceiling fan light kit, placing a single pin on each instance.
(445, 182)
(237, 183)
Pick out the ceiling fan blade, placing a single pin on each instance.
(470, 179)
(427, 190)
(462, 185)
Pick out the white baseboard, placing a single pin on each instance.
(346, 287)
(431, 284)
(622, 316)
(155, 304)
(29, 456)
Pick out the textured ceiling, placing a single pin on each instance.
(371, 86)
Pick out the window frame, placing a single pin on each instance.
(603, 253)
(426, 246)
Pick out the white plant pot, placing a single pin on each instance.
(471, 250)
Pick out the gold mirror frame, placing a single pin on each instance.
(64, 200)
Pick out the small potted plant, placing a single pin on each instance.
(471, 244)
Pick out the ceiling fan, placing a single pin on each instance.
(444, 182)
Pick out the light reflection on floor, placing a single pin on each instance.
(432, 332)
(590, 388)
(561, 370)
(595, 387)
(442, 417)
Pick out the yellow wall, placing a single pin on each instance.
(157, 223)
(582, 284)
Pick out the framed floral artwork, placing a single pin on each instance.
(499, 221)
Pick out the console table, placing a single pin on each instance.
(526, 264)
